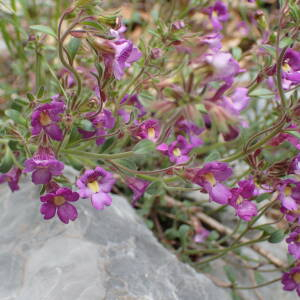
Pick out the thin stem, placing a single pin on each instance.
(98, 155)
(258, 285)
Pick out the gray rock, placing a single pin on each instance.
(106, 254)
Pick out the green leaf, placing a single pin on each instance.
(41, 91)
(155, 188)
(6, 162)
(271, 50)
(277, 236)
(214, 155)
(143, 147)
(15, 116)
(201, 108)
(262, 197)
(261, 92)
(214, 235)
(287, 41)
(73, 47)
(237, 53)
(126, 162)
(259, 278)
(44, 29)
(86, 125)
(95, 25)
(184, 230)
(268, 229)
(235, 295)
(230, 273)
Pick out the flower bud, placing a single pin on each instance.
(109, 20)
(261, 20)
(156, 53)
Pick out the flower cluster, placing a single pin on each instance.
(204, 99)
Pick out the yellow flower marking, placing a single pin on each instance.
(59, 200)
(210, 178)
(286, 67)
(45, 119)
(296, 277)
(177, 152)
(239, 200)
(94, 186)
(151, 133)
(288, 191)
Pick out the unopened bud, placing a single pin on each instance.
(261, 20)
(109, 20)
(177, 25)
(156, 53)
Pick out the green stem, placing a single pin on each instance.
(279, 77)
(254, 147)
(99, 156)
(133, 81)
(38, 69)
(225, 251)
(257, 286)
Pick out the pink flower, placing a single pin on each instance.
(177, 151)
(294, 243)
(12, 178)
(123, 53)
(210, 178)
(149, 129)
(240, 200)
(102, 122)
(58, 202)
(201, 235)
(96, 185)
(291, 280)
(218, 14)
(45, 117)
(138, 186)
(43, 166)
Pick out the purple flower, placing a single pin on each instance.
(291, 280)
(295, 165)
(192, 130)
(294, 243)
(201, 235)
(177, 25)
(237, 102)
(43, 166)
(156, 53)
(291, 216)
(177, 151)
(121, 55)
(102, 122)
(245, 208)
(291, 68)
(12, 178)
(149, 129)
(134, 101)
(281, 137)
(289, 194)
(224, 67)
(45, 117)
(210, 178)
(58, 201)
(138, 186)
(218, 13)
(96, 185)
(213, 41)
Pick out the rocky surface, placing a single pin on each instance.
(107, 255)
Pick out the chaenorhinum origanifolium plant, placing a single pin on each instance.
(164, 99)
